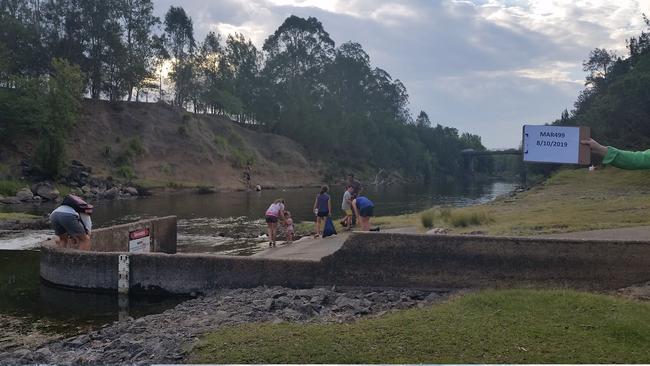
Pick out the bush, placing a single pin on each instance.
(135, 145)
(126, 172)
(465, 219)
(10, 187)
(167, 169)
(427, 218)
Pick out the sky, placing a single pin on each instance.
(485, 67)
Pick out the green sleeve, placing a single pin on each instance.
(627, 159)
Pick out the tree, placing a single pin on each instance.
(599, 63)
(423, 120)
(64, 89)
(241, 65)
(179, 33)
(138, 21)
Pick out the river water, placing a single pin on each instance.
(223, 223)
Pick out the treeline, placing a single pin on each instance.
(616, 100)
(300, 84)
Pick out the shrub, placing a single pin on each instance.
(221, 141)
(135, 145)
(167, 169)
(427, 218)
(126, 172)
(465, 219)
(10, 187)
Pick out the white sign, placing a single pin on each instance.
(139, 241)
(551, 144)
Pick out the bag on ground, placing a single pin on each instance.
(329, 228)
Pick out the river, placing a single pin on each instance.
(223, 223)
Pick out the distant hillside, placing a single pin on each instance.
(156, 144)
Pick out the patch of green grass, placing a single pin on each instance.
(511, 326)
(13, 216)
(471, 218)
(10, 187)
(63, 189)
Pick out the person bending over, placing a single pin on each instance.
(72, 224)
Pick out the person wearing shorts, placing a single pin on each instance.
(274, 213)
(346, 206)
(363, 208)
(71, 227)
(322, 209)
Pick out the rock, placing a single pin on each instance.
(25, 194)
(110, 193)
(85, 189)
(437, 231)
(46, 190)
(131, 190)
(9, 200)
(37, 198)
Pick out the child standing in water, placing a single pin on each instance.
(288, 225)
(322, 209)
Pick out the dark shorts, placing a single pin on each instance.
(323, 214)
(63, 222)
(271, 219)
(366, 211)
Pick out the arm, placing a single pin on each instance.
(620, 158)
(315, 203)
(329, 206)
(354, 207)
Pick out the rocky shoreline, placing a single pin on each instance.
(168, 337)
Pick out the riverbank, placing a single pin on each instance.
(569, 201)
(168, 337)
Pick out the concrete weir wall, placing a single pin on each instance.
(368, 259)
(483, 261)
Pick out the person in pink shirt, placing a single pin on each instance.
(274, 213)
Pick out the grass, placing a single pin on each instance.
(507, 326)
(13, 216)
(9, 187)
(571, 200)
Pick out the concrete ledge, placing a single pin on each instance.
(376, 259)
(178, 273)
(116, 238)
(372, 259)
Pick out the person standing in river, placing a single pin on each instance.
(322, 209)
(274, 213)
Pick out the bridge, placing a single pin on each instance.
(469, 156)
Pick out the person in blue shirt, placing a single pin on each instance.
(322, 209)
(363, 208)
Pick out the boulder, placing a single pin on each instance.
(46, 190)
(110, 193)
(131, 190)
(12, 200)
(25, 194)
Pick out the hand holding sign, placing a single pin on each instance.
(554, 144)
(595, 147)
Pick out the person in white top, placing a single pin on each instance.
(72, 227)
(274, 213)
